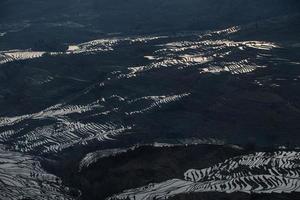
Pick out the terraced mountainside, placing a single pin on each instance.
(168, 170)
(90, 114)
(210, 81)
(255, 173)
(97, 172)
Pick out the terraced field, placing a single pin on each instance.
(22, 177)
(80, 102)
(71, 123)
(261, 172)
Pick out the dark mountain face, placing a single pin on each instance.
(47, 25)
(149, 99)
(135, 16)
